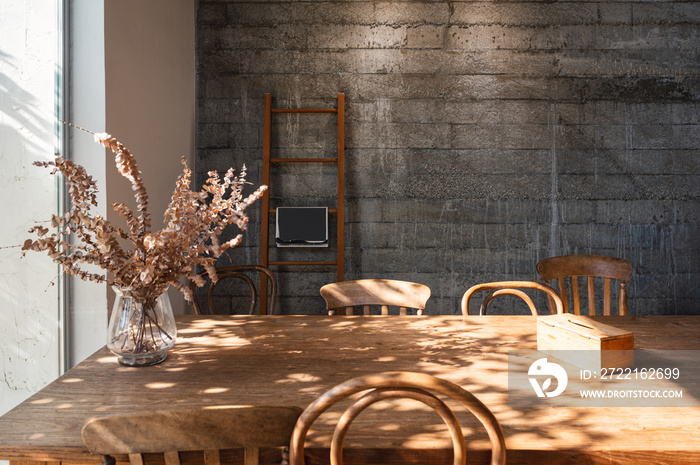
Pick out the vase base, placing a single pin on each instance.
(143, 360)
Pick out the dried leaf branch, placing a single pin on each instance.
(193, 223)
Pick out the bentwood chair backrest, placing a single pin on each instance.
(343, 296)
(592, 267)
(500, 288)
(241, 272)
(390, 385)
(210, 431)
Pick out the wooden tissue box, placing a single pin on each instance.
(604, 346)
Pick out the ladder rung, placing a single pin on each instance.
(292, 263)
(303, 160)
(304, 110)
(330, 210)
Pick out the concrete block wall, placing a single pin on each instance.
(481, 137)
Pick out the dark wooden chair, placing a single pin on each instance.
(500, 288)
(241, 272)
(208, 430)
(343, 296)
(571, 267)
(389, 385)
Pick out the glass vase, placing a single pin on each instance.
(141, 328)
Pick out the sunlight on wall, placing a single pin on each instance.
(29, 329)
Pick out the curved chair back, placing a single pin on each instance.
(510, 288)
(419, 386)
(235, 272)
(589, 266)
(343, 296)
(210, 430)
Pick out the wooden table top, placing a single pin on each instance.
(290, 360)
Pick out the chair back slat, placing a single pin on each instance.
(136, 459)
(591, 296)
(172, 457)
(574, 295)
(213, 457)
(562, 293)
(623, 298)
(252, 456)
(606, 296)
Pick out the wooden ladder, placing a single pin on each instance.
(339, 211)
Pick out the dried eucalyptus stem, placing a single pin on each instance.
(150, 261)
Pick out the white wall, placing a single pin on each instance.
(133, 75)
(29, 311)
(150, 97)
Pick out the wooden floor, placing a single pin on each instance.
(290, 360)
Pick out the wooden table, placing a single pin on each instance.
(290, 360)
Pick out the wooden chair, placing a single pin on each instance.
(169, 432)
(510, 288)
(418, 386)
(236, 272)
(590, 266)
(343, 296)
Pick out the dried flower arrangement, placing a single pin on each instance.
(193, 223)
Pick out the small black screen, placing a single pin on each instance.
(302, 225)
